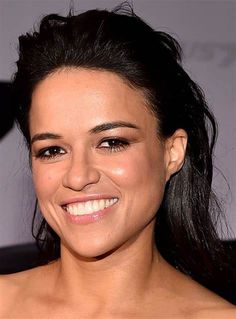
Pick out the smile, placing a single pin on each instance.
(89, 207)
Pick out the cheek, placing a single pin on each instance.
(46, 180)
(138, 171)
(141, 182)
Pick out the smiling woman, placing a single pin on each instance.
(107, 165)
(121, 161)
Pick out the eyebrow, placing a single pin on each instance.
(97, 129)
(111, 125)
(45, 136)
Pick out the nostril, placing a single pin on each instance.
(79, 175)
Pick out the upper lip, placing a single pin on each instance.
(86, 198)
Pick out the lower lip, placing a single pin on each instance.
(89, 218)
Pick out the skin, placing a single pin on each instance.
(109, 268)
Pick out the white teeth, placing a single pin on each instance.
(95, 205)
(101, 204)
(90, 206)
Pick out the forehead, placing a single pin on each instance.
(87, 96)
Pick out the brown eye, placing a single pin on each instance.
(50, 152)
(114, 144)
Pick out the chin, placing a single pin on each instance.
(95, 249)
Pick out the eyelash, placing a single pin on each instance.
(114, 145)
(42, 153)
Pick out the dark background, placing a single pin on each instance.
(6, 111)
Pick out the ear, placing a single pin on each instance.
(175, 147)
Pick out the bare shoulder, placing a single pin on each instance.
(18, 277)
(204, 304)
(15, 288)
(196, 301)
(208, 305)
(226, 312)
(10, 285)
(9, 289)
(21, 280)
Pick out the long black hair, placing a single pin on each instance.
(121, 42)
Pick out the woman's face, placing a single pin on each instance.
(98, 166)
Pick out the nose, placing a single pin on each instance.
(80, 172)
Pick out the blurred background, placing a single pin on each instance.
(207, 33)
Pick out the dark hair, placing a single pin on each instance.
(120, 42)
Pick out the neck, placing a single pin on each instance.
(123, 274)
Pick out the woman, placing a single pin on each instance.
(122, 168)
